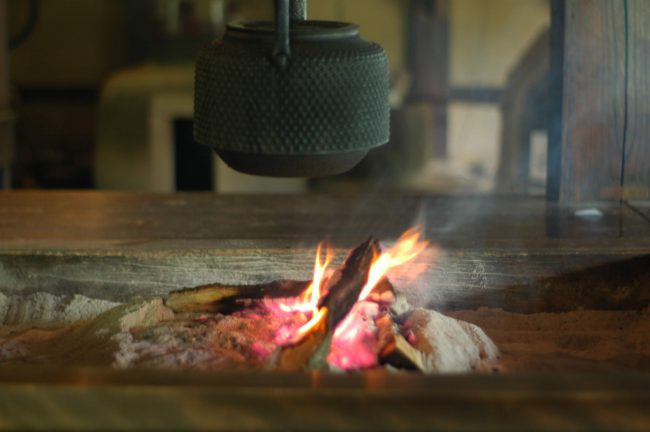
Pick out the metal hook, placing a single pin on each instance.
(286, 11)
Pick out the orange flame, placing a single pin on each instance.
(308, 301)
(408, 246)
(312, 295)
(313, 322)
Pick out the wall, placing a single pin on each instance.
(75, 42)
(488, 37)
(382, 21)
(56, 74)
(78, 43)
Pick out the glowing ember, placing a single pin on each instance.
(306, 304)
(316, 318)
(354, 339)
(308, 301)
(313, 294)
(408, 246)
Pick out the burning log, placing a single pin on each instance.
(353, 275)
(383, 293)
(395, 349)
(343, 290)
(222, 298)
(344, 319)
(300, 355)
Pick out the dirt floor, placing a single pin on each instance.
(147, 334)
(584, 340)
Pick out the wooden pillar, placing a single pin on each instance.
(6, 115)
(599, 138)
(428, 63)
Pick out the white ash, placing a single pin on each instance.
(42, 307)
(400, 306)
(145, 333)
(199, 341)
(10, 350)
(453, 346)
(4, 307)
(165, 352)
(154, 342)
(144, 314)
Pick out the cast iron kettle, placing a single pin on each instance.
(294, 98)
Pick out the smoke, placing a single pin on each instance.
(445, 273)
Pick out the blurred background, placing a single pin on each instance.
(102, 94)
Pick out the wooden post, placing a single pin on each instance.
(6, 115)
(599, 140)
(428, 62)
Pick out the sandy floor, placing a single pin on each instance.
(572, 341)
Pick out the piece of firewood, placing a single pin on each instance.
(343, 290)
(298, 356)
(396, 350)
(383, 293)
(228, 298)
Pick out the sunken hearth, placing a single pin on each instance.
(348, 317)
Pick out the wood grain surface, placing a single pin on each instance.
(637, 164)
(166, 400)
(605, 153)
(514, 253)
(594, 98)
(489, 251)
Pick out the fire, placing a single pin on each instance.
(353, 336)
(308, 301)
(408, 246)
(313, 293)
(350, 332)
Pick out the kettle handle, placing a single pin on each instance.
(286, 11)
(298, 10)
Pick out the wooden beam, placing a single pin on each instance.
(6, 116)
(555, 93)
(600, 150)
(637, 145)
(524, 109)
(67, 399)
(114, 245)
(428, 62)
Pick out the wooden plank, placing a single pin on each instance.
(492, 251)
(6, 116)
(518, 281)
(602, 151)
(594, 99)
(86, 398)
(555, 103)
(122, 221)
(637, 162)
(428, 62)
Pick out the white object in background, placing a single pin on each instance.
(589, 213)
(538, 156)
(228, 181)
(135, 142)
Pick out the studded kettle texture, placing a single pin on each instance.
(329, 98)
